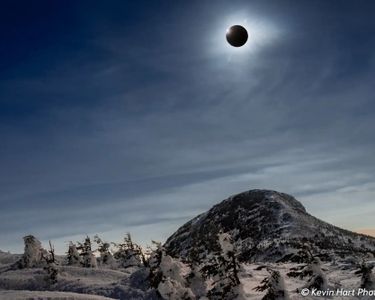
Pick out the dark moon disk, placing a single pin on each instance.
(237, 36)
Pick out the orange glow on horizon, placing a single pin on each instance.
(367, 231)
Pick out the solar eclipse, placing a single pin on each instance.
(237, 36)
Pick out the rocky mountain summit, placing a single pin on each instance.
(267, 226)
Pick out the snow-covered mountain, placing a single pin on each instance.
(267, 226)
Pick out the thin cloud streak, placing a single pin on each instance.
(124, 130)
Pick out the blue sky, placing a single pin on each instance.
(136, 116)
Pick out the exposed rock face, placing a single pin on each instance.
(266, 226)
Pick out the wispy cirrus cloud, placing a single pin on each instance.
(137, 122)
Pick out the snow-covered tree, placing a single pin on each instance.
(318, 279)
(274, 285)
(33, 253)
(167, 275)
(51, 265)
(312, 269)
(173, 284)
(106, 257)
(73, 256)
(196, 282)
(86, 252)
(367, 276)
(153, 263)
(195, 279)
(223, 267)
(128, 253)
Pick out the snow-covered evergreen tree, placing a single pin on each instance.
(73, 256)
(196, 282)
(318, 279)
(167, 275)
(367, 276)
(173, 284)
(106, 258)
(304, 253)
(153, 263)
(51, 265)
(223, 268)
(274, 285)
(128, 253)
(86, 252)
(195, 279)
(312, 269)
(33, 253)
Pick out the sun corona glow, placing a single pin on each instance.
(260, 34)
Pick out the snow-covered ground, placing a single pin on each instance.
(46, 295)
(84, 283)
(337, 276)
(73, 282)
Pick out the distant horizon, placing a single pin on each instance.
(61, 245)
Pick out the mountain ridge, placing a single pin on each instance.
(266, 225)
